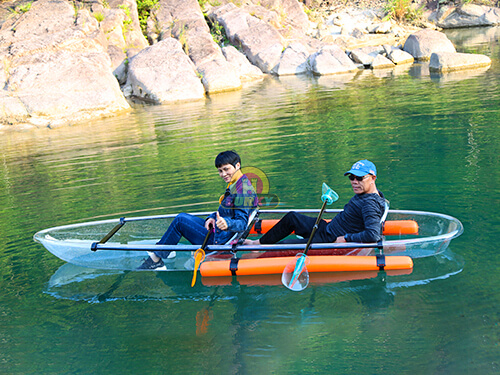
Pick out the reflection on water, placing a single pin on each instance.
(435, 143)
(97, 285)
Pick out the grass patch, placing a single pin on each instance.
(144, 8)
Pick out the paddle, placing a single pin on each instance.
(199, 255)
(295, 276)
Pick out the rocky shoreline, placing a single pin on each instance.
(68, 61)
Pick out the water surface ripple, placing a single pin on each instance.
(435, 142)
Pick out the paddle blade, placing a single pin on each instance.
(295, 275)
(328, 195)
(199, 256)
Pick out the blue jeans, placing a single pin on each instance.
(184, 225)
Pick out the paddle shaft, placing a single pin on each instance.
(315, 228)
(204, 245)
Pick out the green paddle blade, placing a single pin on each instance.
(295, 275)
(328, 195)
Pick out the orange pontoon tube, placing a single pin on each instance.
(314, 278)
(391, 228)
(329, 263)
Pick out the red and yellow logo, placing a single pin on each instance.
(260, 182)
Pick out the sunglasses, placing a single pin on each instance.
(353, 177)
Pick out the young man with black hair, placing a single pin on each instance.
(232, 215)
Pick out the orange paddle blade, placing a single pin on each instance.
(199, 256)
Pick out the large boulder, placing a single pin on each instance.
(470, 15)
(132, 33)
(244, 68)
(188, 25)
(381, 62)
(447, 61)
(330, 59)
(423, 43)
(163, 73)
(290, 13)
(294, 60)
(398, 56)
(260, 42)
(55, 67)
(359, 56)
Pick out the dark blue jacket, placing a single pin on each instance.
(235, 207)
(360, 220)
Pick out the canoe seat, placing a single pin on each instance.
(239, 237)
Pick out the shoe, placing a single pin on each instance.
(149, 264)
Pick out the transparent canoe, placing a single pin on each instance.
(123, 243)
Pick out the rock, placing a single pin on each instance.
(118, 59)
(383, 28)
(56, 67)
(424, 42)
(399, 57)
(44, 18)
(244, 68)
(260, 42)
(381, 62)
(358, 32)
(159, 23)
(292, 13)
(293, 60)
(217, 74)
(361, 57)
(470, 15)
(12, 109)
(331, 60)
(285, 15)
(112, 27)
(191, 29)
(134, 39)
(164, 73)
(447, 61)
(49, 85)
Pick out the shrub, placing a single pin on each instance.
(144, 8)
(401, 10)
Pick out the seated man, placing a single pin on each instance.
(232, 216)
(358, 222)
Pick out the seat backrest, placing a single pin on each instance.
(384, 216)
(241, 236)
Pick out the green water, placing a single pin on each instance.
(435, 143)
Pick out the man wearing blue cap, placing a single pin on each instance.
(358, 222)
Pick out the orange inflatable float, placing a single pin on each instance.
(391, 228)
(314, 278)
(329, 263)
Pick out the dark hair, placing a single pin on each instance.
(227, 157)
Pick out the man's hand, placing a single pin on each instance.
(221, 222)
(340, 239)
(209, 222)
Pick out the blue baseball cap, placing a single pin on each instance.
(362, 168)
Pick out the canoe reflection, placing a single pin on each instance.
(97, 285)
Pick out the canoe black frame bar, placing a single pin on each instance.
(275, 247)
(111, 233)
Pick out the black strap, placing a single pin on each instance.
(380, 261)
(258, 226)
(233, 266)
